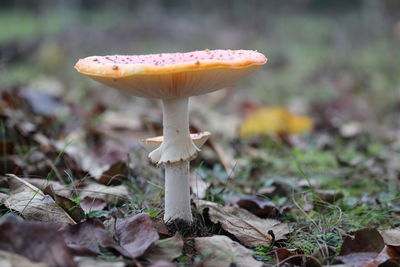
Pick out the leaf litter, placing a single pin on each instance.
(54, 141)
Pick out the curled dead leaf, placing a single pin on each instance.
(251, 230)
(33, 204)
(365, 240)
(72, 208)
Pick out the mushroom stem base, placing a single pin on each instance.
(177, 192)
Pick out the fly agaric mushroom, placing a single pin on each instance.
(173, 77)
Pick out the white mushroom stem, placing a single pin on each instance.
(177, 144)
(177, 192)
(175, 152)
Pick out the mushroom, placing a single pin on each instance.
(173, 77)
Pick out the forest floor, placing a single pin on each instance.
(70, 159)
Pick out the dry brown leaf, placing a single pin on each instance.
(136, 234)
(8, 259)
(391, 237)
(259, 206)
(87, 238)
(59, 188)
(72, 208)
(115, 173)
(365, 240)
(110, 194)
(371, 259)
(167, 249)
(33, 204)
(368, 248)
(221, 251)
(251, 230)
(38, 241)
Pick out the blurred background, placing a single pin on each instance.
(337, 52)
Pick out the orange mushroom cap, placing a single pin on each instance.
(171, 75)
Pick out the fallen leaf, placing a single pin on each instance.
(391, 237)
(72, 208)
(166, 249)
(33, 204)
(115, 173)
(59, 188)
(365, 240)
(371, 259)
(283, 253)
(221, 251)
(8, 259)
(38, 241)
(87, 238)
(89, 204)
(259, 206)
(274, 121)
(136, 234)
(251, 230)
(110, 194)
(368, 248)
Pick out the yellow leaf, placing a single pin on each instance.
(272, 121)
